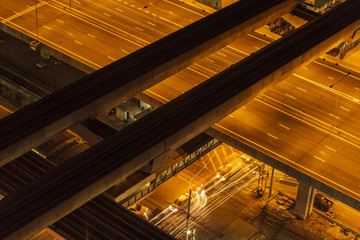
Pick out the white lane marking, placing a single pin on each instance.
(106, 14)
(356, 88)
(208, 59)
(344, 108)
(243, 107)
(181, 26)
(91, 35)
(222, 54)
(271, 135)
(284, 126)
(147, 11)
(185, 8)
(132, 5)
(231, 116)
(125, 51)
(305, 68)
(77, 2)
(257, 48)
(111, 58)
(140, 9)
(259, 39)
(334, 150)
(235, 49)
(59, 21)
(331, 78)
(301, 89)
(151, 23)
(118, 9)
(334, 116)
(46, 27)
(319, 158)
(70, 34)
(288, 95)
(139, 29)
(78, 42)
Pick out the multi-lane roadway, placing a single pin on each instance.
(98, 34)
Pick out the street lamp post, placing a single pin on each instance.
(271, 181)
(155, 19)
(337, 95)
(37, 23)
(188, 217)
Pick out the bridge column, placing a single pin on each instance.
(304, 200)
(156, 163)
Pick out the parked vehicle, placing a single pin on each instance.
(141, 211)
(246, 158)
(224, 171)
(180, 202)
(322, 203)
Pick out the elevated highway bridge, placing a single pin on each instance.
(121, 80)
(97, 169)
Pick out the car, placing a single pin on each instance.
(180, 202)
(224, 171)
(322, 203)
(246, 158)
(142, 211)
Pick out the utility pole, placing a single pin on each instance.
(188, 217)
(271, 181)
(37, 24)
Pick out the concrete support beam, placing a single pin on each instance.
(304, 201)
(156, 163)
(131, 185)
(119, 81)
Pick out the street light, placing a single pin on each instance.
(37, 24)
(188, 217)
(154, 4)
(337, 95)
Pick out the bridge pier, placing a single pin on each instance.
(304, 200)
(156, 163)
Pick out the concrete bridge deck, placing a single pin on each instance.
(99, 168)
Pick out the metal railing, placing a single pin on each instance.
(168, 173)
